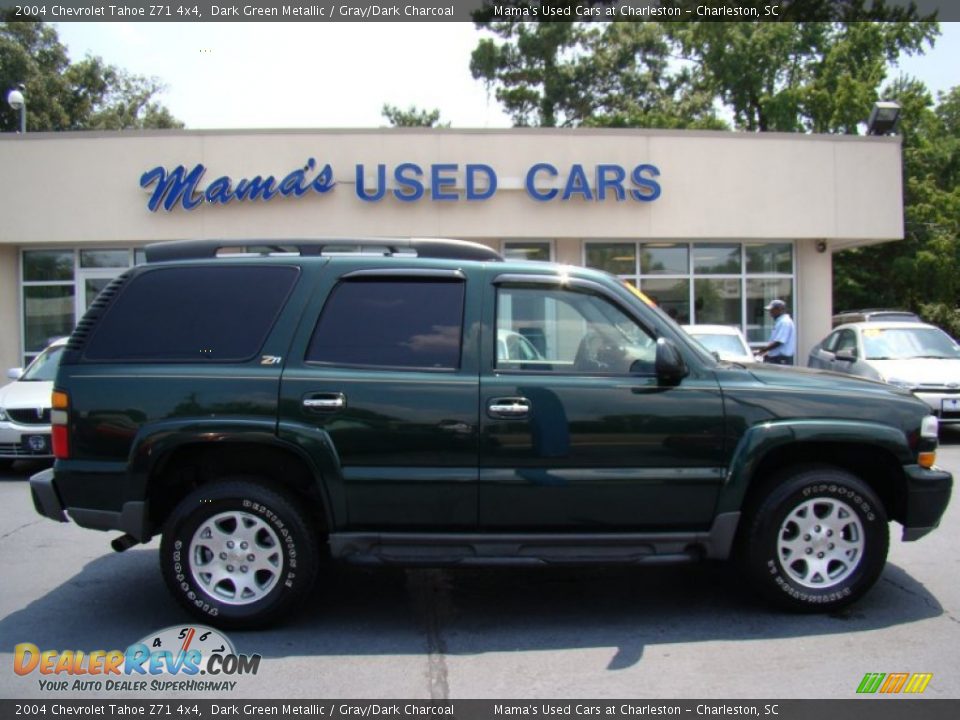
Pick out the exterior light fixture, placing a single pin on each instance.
(16, 100)
(884, 118)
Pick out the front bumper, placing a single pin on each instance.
(927, 497)
(14, 445)
(948, 414)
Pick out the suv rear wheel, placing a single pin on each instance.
(817, 541)
(238, 554)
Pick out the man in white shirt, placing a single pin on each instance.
(783, 340)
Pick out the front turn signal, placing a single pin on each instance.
(927, 459)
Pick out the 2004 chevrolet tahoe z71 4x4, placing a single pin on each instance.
(426, 402)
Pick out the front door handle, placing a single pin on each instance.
(320, 402)
(509, 408)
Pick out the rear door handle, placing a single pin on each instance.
(509, 408)
(320, 402)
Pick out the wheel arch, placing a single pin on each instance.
(872, 452)
(184, 466)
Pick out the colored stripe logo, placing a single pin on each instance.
(893, 683)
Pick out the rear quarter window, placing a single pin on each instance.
(192, 314)
(395, 323)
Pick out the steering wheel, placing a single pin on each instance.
(598, 353)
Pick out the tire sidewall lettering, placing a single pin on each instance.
(179, 560)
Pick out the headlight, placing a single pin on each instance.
(928, 444)
(3, 415)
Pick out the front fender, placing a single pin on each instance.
(762, 439)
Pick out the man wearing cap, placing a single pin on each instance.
(783, 340)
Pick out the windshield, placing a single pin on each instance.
(44, 366)
(724, 344)
(908, 343)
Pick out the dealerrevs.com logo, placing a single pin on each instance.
(893, 683)
(175, 659)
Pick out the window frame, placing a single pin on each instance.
(637, 277)
(575, 285)
(424, 275)
(255, 355)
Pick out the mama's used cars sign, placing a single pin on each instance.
(407, 182)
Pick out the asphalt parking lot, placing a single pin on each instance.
(673, 632)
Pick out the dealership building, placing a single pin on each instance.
(712, 225)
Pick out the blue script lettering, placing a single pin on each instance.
(179, 187)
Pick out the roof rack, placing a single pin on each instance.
(384, 247)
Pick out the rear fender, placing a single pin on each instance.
(156, 443)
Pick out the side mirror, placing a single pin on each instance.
(670, 367)
(846, 356)
(15, 373)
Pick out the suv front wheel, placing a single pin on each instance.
(817, 541)
(238, 554)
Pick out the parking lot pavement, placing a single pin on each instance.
(626, 633)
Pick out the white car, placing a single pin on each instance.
(915, 356)
(514, 347)
(25, 408)
(724, 340)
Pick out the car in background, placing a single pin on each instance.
(912, 355)
(512, 346)
(725, 340)
(874, 315)
(25, 408)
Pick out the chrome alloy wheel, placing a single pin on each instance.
(236, 557)
(821, 543)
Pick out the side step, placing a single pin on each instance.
(487, 549)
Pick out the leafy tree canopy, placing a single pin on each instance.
(62, 95)
(412, 117)
(820, 73)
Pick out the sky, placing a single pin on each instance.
(320, 75)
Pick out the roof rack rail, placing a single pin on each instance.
(386, 247)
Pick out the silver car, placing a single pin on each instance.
(912, 355)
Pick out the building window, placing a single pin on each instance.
(723, 283)
(57, 287)
(527, 250)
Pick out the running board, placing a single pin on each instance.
(470, 549)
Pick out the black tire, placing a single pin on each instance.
(786, 550)
(6, 464)
(280, 543)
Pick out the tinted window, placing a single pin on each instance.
(191, 314)
(391, 323)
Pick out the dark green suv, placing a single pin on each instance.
(427, 403)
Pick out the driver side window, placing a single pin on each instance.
(568, 332)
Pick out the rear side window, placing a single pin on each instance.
(396, 323)
(192, 314)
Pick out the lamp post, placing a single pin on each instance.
(884, 118)
(17, 102)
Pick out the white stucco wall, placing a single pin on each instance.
(79, 187)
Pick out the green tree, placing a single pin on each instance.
(618, 74)
(62, 95)
(799, 76)
(412, 117)
(821, 72)
(921, 273)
